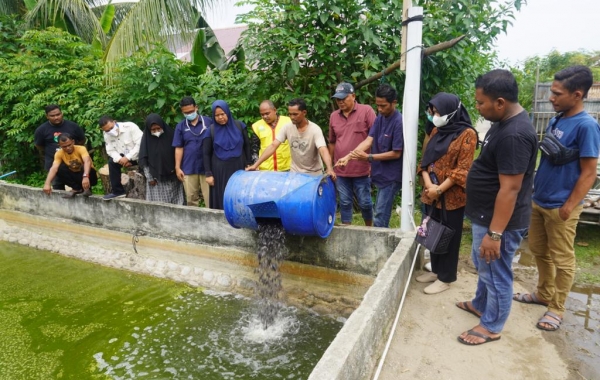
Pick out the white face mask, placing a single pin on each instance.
(440, 121)
(157, 134)
(113, 132)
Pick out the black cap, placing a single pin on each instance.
(343, 90)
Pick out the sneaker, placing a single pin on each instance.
(110, 196)
(87, 193)
(427, 277)
(437, 287)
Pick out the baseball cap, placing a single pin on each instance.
(343, 90)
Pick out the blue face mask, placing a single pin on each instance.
(429, 117)
(192, 116)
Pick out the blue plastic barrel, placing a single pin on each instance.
(305, 204)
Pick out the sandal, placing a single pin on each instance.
(486, 338)
(529, 298)
(72, 194)
(550, 318)
(469, 309)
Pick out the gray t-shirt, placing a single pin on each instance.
(304, 147)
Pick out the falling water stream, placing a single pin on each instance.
(62, 318)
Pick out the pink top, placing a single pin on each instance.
(346, 133)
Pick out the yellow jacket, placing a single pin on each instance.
(281, 159)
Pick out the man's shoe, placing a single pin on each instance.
(110, 196)
(72, 194)
(87, 193)
(437, 287)
(427, 277)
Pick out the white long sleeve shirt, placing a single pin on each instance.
(127, 142)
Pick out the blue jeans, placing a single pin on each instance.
(347, 187)
(384, 203)
(493, 297)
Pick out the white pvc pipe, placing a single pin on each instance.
(410, 114)
(393, 330)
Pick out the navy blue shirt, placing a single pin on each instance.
(387, 136)
(190, 138)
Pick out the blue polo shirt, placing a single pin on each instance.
(190, 138)
(387, 136)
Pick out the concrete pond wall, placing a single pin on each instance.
(357, 273)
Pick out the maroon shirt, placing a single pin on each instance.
(346, 134)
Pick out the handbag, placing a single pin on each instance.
(554, 150)
(434, 234)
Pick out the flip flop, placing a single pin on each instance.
(465, 306)
(486, 338)
(550, 318)
(529, 298)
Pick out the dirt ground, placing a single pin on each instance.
(425, 343)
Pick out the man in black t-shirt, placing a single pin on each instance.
(499, 187)
(46, 137)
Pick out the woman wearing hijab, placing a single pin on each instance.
(444, 166)
(226, 150)
(157, 160)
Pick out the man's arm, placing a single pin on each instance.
(136, 137)
(326, 157)
(584, 183)
(87, 166)
(506, 199)
(354, 154)
(50, 177)
(266, 154)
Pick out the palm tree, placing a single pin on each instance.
(118, 29)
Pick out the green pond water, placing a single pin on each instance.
(62, 318)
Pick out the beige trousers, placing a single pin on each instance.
(193, 184)
(551, 241)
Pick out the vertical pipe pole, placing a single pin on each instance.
(410, 113)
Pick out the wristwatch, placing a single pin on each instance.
(495, 236)
(438, 191)
(85, 175)
(370, 158)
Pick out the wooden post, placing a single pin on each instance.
(405, 5)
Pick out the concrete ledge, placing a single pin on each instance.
(354, 353)
(355, 249)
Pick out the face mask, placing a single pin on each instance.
(440, 121)
(192, 116)
(429, 117)
(113, 132)
(157, 134)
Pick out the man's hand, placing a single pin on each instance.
(123, 161)
(85, 183)
(47, 189)
(565, 212)
(210, 180)
(360, 155)
(180, 174)
(152, 182)
(489, 250)
(250, 168)
(331, 173)
(343, 161)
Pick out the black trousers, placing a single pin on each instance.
(114, 174)
(446, 265)
(73, 179)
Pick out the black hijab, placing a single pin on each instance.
(156, 153)
(438, 145)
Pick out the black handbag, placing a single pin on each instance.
(434, 234)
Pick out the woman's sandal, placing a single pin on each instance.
(550, 318)
(529, 298)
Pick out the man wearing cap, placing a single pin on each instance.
(348, 127)
(265, 131)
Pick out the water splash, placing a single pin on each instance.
(271, 252)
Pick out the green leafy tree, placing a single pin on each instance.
(548, 65)
(51, 66)
(306, 48)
